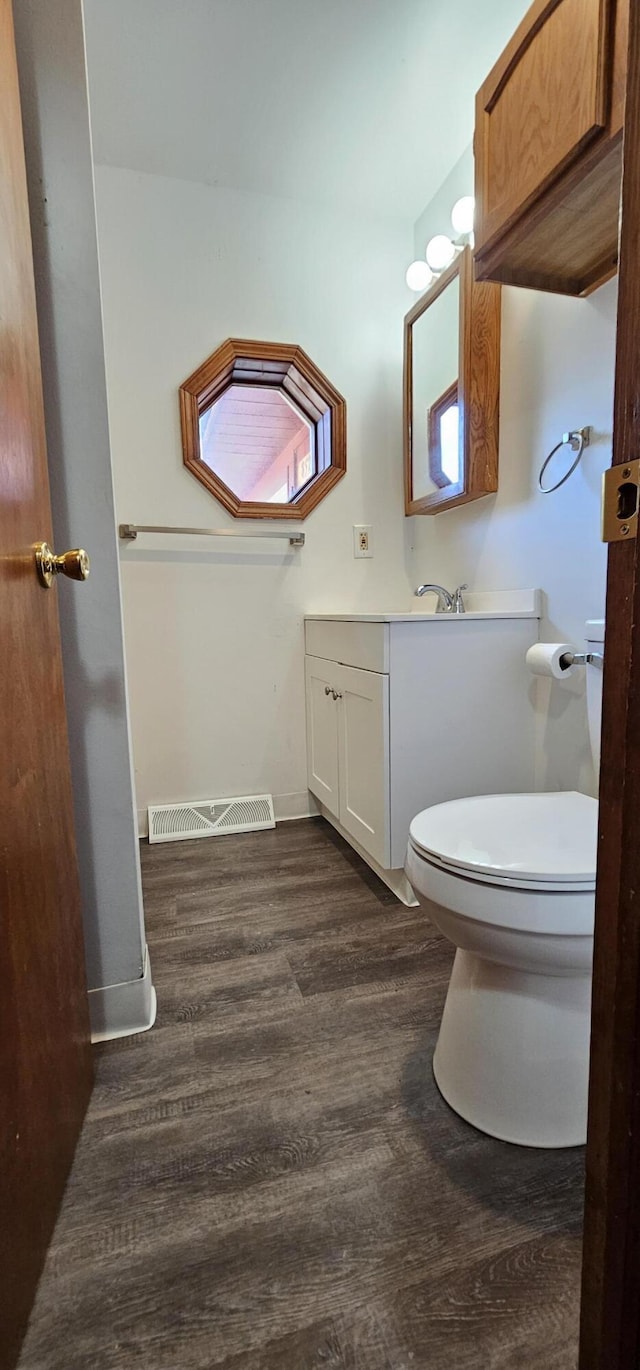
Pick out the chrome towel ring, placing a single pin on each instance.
(577, 440)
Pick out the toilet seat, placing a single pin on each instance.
(543, 842)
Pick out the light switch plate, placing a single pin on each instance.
(362, 540)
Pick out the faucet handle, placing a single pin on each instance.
(458, 601)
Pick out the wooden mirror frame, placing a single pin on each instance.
(478, 384)
(280, 366)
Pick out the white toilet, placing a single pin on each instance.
(510, 880)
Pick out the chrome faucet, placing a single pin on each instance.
(445, 600)
(447, 603)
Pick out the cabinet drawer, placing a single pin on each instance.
(353, 644)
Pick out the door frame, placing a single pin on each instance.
(610, 1311)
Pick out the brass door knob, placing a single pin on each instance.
(75, 564)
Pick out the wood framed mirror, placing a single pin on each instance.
(451, 391)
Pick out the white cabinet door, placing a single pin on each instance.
(321, 679)
(363, 767)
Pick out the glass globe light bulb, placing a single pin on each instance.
(440, 252)
(418, 276)
(462, 215)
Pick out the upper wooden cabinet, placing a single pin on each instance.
(548, 149)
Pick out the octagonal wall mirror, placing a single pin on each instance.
(451, 391)
(263, 429)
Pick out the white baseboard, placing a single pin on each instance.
(124, 1009)
(300, 804)
(290, 806)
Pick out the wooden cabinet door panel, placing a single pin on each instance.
(546, 98)
(322, 731)
(364, 759)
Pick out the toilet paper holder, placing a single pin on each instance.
(569, 659)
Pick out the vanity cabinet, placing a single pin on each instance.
(348, 750)
(409, 710)
(548, 149)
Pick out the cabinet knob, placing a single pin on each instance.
(328, 690)
(337, 694)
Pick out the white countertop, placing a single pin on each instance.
(481, 604)
(420, 618)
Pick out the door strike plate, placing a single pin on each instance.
(620, 497)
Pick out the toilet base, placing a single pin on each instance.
(513, 1052)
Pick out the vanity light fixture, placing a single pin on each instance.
(419, 276)
(462, 215)
(442, 250)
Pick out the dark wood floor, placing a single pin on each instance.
(269, 1180)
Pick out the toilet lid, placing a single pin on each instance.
(532, 837)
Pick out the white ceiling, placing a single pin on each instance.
(362, 104)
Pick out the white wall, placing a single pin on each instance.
(51, 61)
(557, 373)
(214, 630)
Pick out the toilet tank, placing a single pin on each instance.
(594, 634)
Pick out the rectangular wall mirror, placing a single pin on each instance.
(451, 391)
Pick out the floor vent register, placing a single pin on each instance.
(210, 818)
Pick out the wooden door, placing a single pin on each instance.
(322, 731)
(45, 1065)
(363, 759)
(610, 1327)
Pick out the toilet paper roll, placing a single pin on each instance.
(545, 658)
